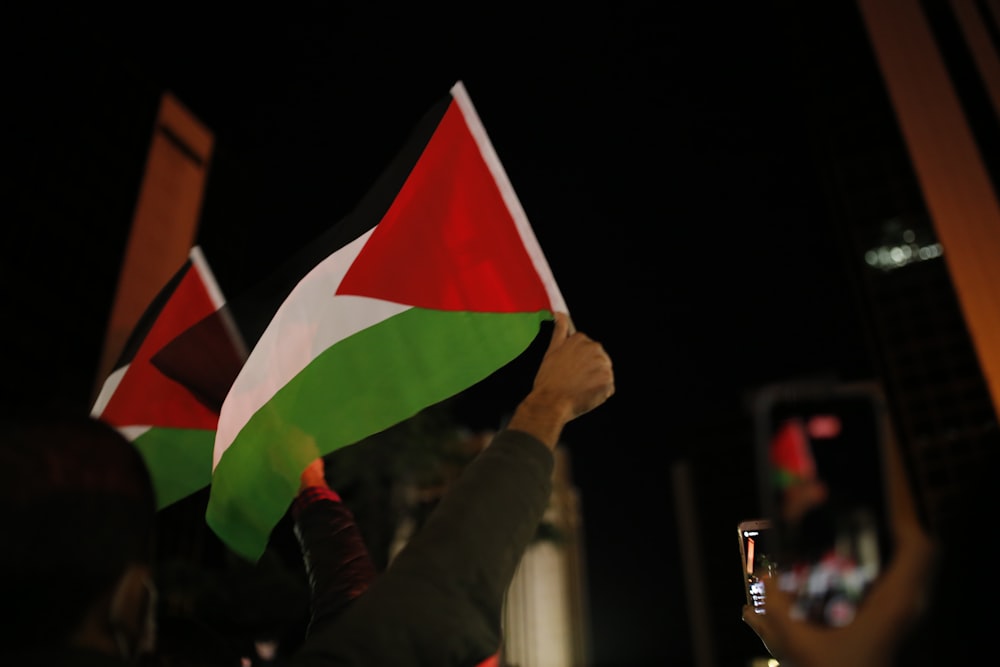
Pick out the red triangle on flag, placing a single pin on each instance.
(145, 396)
(791, 452)
(448, 241)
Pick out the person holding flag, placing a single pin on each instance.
(438, 604)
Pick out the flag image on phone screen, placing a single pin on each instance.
(821, 455)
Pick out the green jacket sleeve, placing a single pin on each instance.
(440, 601)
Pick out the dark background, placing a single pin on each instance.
(665, 156)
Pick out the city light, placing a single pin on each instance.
(889, 257)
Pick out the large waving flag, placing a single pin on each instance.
(172, 422)
(431, 284)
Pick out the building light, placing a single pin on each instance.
(895, 256)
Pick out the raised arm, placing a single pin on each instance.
(440, 601)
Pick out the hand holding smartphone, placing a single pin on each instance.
(820, 451)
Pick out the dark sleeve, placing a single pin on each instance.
(336, 558)
(440, 601)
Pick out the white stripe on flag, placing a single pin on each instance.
(309, 322)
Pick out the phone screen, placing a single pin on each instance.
(821, 450)
(756, 559)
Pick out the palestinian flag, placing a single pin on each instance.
(173, 423)
(791, 454)
(431, 284)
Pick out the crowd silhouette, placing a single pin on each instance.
(95, 577)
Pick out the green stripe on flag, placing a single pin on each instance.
(179, 461)
(364, 384)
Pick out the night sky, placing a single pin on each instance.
(661, 151)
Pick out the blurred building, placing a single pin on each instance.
(907, 130)
(545, 614)
(901, 102)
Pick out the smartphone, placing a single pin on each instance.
(822, 477)
(756, 559)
